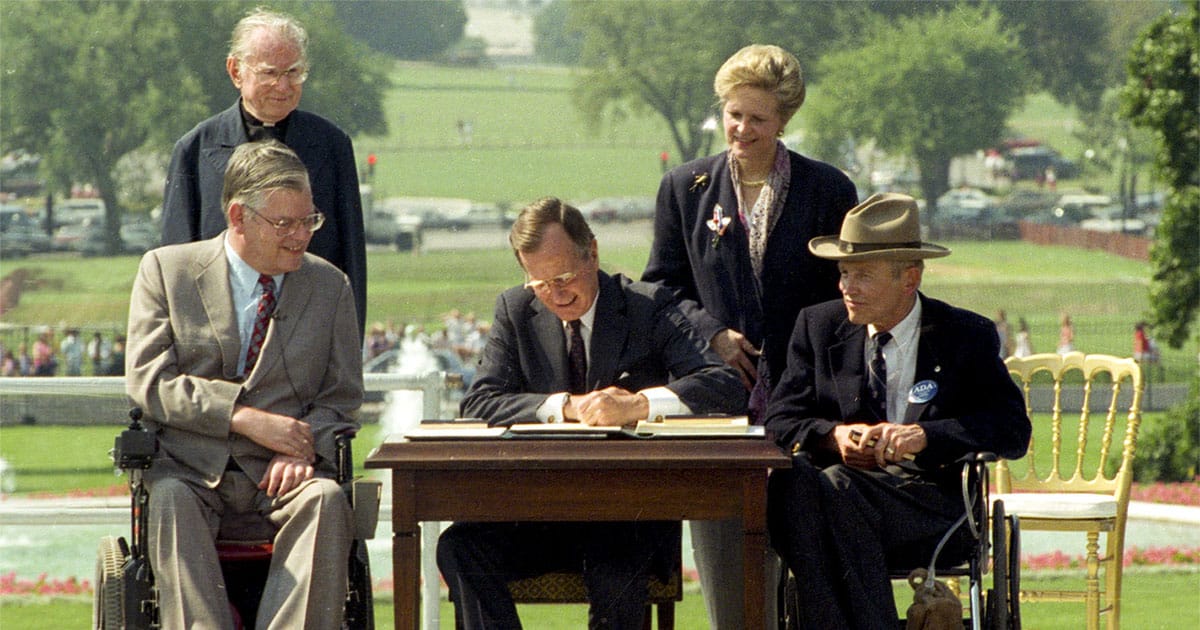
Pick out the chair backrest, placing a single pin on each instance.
(1106, 391)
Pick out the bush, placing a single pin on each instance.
(1168, 446)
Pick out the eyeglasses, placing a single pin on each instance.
(558, 282)
(287, 227)
(296, 75)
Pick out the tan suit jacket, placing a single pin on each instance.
(182, 356)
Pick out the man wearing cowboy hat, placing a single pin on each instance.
(884, 390)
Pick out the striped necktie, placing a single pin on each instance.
(262, 320)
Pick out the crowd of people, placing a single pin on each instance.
(462, 334)
(70, 356)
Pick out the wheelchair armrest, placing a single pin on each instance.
(365, 495)
(345, 454)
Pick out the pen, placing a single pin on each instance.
(857, 435)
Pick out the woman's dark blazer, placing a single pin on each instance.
(715, 285)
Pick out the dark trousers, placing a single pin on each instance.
(478, 560)
(839, 529)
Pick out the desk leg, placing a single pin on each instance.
(406, 552)
(754, 546)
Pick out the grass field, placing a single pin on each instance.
(1152, 600)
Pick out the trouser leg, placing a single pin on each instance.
(618, 559)
(476, 561)
(183, 520)
(308, 580)
(717, 547)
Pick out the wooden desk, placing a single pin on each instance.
(575, 480)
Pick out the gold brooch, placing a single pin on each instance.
(700, 181)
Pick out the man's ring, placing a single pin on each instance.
(891, 450)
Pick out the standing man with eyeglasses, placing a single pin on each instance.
(268, 64)
(574, 344)
(242, 353)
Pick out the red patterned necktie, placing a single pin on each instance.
(266, 306)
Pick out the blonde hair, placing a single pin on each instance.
(766, 67)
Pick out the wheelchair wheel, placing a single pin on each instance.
(360, 611)
(108, 600)
(1014, 572)
(999, 598)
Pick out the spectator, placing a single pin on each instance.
(1004, 330)
(98, 352)
(24, 361)
(268, 64)
(376, 342)
(1066, 335)
(1145, 349)
(1024, 346)
(72, 352)
(8, 365)
(44, 361)
(728, 235)
(115, 364)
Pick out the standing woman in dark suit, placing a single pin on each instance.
(729, 241)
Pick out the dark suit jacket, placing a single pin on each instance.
(639, 340)
(716, 287)
(977, 405)
(182, 357)
(192, 199)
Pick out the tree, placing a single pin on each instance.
(407, 29)
(930, 87)
(553, 42)
(86, 83)
(1162, 93)
(661, 56)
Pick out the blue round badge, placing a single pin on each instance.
(922, 392)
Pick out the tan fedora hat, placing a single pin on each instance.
(886, 226)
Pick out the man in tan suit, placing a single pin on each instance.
(243, 351)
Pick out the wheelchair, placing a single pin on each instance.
(997, 545)
(125, 594)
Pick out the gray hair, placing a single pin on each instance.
(530, 227)
(285, 26)
(258, 168)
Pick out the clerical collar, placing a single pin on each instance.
(258, 130)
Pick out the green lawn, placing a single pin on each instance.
(1152, 600)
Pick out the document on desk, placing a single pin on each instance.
(457, 429)
(561, 429)
(699, 426)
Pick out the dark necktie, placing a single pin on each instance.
(577, 360)
(877, 379)
(266, 306)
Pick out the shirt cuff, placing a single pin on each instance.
(551, 411)
(663, 402)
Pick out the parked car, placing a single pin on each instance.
(22, 234)
(1070, 209)
(73, 211)
(972, 213)
(1112, 219)
(608, 209)
(139, 237)
(1031, 163)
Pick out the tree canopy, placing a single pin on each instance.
(86, 83)
(929, 86)
(405, 29)
(1163, 94)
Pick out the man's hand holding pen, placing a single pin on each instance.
(611, 406)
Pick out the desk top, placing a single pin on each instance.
(544, 454)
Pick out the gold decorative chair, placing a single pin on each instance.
(1080, 489)
(568, 588)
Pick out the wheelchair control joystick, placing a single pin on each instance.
(135, 447)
